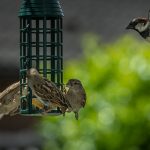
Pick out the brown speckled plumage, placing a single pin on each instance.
(46, 91)
(76, 96)
(9, 100)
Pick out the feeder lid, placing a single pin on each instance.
(41, 8)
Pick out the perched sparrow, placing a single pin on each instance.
(142, 26)
(9, 100)
(75, 95)
(46, 91)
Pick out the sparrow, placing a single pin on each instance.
(76, 96)
(10, 100)
(46, 91)
(142, 26)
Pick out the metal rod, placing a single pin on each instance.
(61, 50)
(29, 49)
(58, 55)
(52, 50)
(44, 48)
(37, 44)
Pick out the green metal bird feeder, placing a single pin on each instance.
(41, 47)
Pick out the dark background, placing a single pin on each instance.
(107, 18)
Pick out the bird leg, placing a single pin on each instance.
(76, 115)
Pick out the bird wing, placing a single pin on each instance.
(8, 94)
(49, 92)
(9, 100)
(84, 100)
(58, 96)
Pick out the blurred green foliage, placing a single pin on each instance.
(116, 77)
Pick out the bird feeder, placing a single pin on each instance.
(41, 47)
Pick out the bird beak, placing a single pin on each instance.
(129, 27)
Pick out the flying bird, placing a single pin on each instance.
(76, 96)
(9, 100)
(142, 26)
(46, 91)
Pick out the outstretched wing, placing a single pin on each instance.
(9, 100)
(8, 94)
